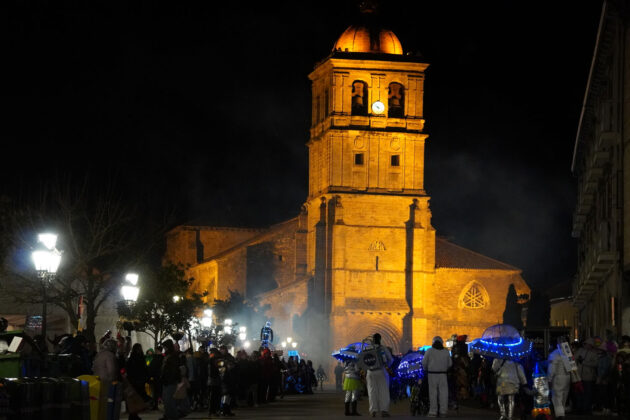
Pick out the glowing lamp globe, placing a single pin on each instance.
(46, 261)
(208, 313)
(294, 344)
(289, 339)
(130, 293)
(228, 321)
(246, 344)
(206, 321)
(132, 278)
(242, 329)
(48, 239)
(242, 336)
(284, 344)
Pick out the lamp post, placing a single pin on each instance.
(129, 292)
(46, 259)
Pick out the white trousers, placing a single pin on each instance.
(378, 391)
(438, 388)
(559, 393)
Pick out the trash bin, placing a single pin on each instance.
(48, 405)
(10, 365)
(94, 393)
(23, 402)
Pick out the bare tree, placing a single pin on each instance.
(99, 238)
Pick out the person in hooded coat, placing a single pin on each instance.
(436, 362)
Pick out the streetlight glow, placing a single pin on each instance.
(176, 298)
(289, 339)
(46, 261)
(48, 239)
(228, 321)
(206, 321)
(132, 278)
(246, 344)
(242, 329)
(284, 344)
(294, 344)
(130, 293)
(207, 312)
(242, 336)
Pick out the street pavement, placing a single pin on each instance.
(328, 405)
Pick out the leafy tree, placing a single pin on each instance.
(156, 312)
(98, 235)
(512, 312)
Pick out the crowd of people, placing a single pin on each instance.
(598, 383)
(182, 382)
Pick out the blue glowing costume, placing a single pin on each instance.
(266, 335)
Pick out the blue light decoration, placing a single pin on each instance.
(541, 393)
(410, 366)
(501, 341)
(350, 352)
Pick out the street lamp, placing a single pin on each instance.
(176, 299)
(130, 293)
(289, 339)
(284, 344)
(46, 259)
(227, 326)
(242, 333)
(294, 344)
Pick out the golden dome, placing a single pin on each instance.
(361, 39)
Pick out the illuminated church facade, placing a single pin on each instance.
(362, 255)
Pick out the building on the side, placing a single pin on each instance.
(601, 160)
(362, 255)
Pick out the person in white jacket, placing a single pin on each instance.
(436, 362)
(559, 375)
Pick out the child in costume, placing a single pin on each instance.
(352, 385)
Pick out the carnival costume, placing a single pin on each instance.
(510, 376)
(266, 335)
(436, 362)
(352, 385)
(375, 359)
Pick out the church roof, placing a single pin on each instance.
(449, 255)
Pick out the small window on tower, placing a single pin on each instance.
(358, 159)
(395, 100)
(359, 98)
(395, 160)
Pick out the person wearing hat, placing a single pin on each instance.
(436, 362)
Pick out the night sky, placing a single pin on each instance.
(203, 108)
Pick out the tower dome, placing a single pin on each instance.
(368, 39)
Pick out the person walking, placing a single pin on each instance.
(559, 376)
(352, 385)
(106, 368)
(137, 375)
(436, 363)
(587, 359)
(375, 359)
(338, 376)
(321, 377)
(169, 378)
(510, 376)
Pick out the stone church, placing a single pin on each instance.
(362, 255)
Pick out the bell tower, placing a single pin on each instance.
(371, 246)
